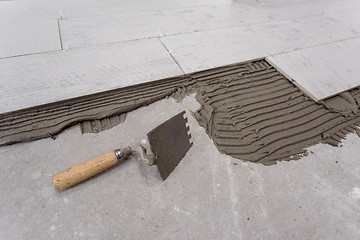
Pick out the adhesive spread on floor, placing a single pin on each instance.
(250, 110)
(96, 126)
(257, 115)
(344, 103)
(47, 120)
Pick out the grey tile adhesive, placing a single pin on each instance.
(250, 110)
(98, 125)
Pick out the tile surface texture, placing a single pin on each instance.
(322, 71)
(125, 26)
(28, 37)
(198, 35)
(49, 77)
(197, 51)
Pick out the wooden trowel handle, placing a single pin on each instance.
(84, 170)
(88, 168)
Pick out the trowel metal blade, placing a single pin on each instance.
(170, 142)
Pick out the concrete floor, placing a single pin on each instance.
(208, 196)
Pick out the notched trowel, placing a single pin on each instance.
(169, 143)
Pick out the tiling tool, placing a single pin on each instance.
(169, 143)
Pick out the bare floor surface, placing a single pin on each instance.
(208, 196)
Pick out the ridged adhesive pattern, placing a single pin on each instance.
(250, 111)
(256, 114)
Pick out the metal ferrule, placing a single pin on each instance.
(118, 154)
(122, 154)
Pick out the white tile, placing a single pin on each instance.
(198, 51)
(27, 10)
(27, 37)
(28, 27)
(43, 78)
(130, 25)
(351, 19)
(325, 6)
(83, 8)
(322, 71)
(149, 24)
